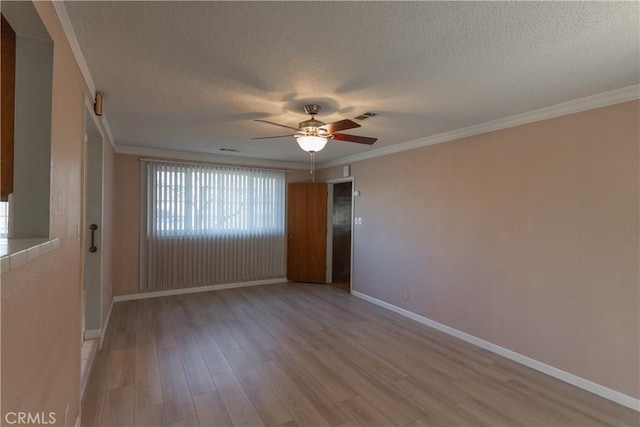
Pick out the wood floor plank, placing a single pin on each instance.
(322, 400)
(233, 353)
(118, 407)
(438, 410)
(397, 352)
(96, 390)
(162, 322)
(236, 402)
(194, 365)
(213, 355)
(299, 355)
(148, 386)
(568, 396)
(351, 423)
(255, 329)
(365, 413)
(195, 368)
(297, 405)
(210, 410)
(123, 359)
(489, 415)
(178, 404)
(187, 422)
(319, 372)
(263, 398)
(249, 346)
(150, 416)
(490, 395)
(378, 395)
(559, 411)
(402, 353)
(359, 354)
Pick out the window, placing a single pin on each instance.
(210, 224)
(197, 200)
(4, 219)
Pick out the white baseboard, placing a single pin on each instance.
(196, 289)
(91, 334)
(590, 386)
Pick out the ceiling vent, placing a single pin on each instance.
(365, 116)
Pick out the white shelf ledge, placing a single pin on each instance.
(15, 253)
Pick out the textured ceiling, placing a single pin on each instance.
(191, 76)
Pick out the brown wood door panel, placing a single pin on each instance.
(307, 232)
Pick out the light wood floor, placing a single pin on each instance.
(87, 356)
(312, 355)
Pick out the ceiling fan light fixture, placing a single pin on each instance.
(311, 143)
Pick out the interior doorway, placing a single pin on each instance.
(92, 250)
(92, 254)
(341, 233)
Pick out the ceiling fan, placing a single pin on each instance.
(312, 134)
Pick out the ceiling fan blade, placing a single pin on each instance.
(269, 137)
(354, 138)
(274, 124)
(340, 125)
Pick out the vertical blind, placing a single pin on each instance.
(209, 224)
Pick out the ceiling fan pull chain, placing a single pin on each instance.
(313, 166)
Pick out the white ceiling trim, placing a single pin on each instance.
(205, 157)
(63, 16)
(604, 99)
(70, 34)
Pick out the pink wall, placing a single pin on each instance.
(525, 237)
(41, 300)
(126, 256)
(126, 225)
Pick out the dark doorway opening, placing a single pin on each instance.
(341, 226)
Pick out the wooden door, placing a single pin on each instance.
(307, 232)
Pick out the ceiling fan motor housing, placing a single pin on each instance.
(312, 109)
(312, 126)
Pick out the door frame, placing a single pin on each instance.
(330, 184)
(97, 132)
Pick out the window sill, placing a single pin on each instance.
(15, 253)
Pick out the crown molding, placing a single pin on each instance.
(162, 153)
(70, 34)
(603, 99)
(107, 129)
(65, 21)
